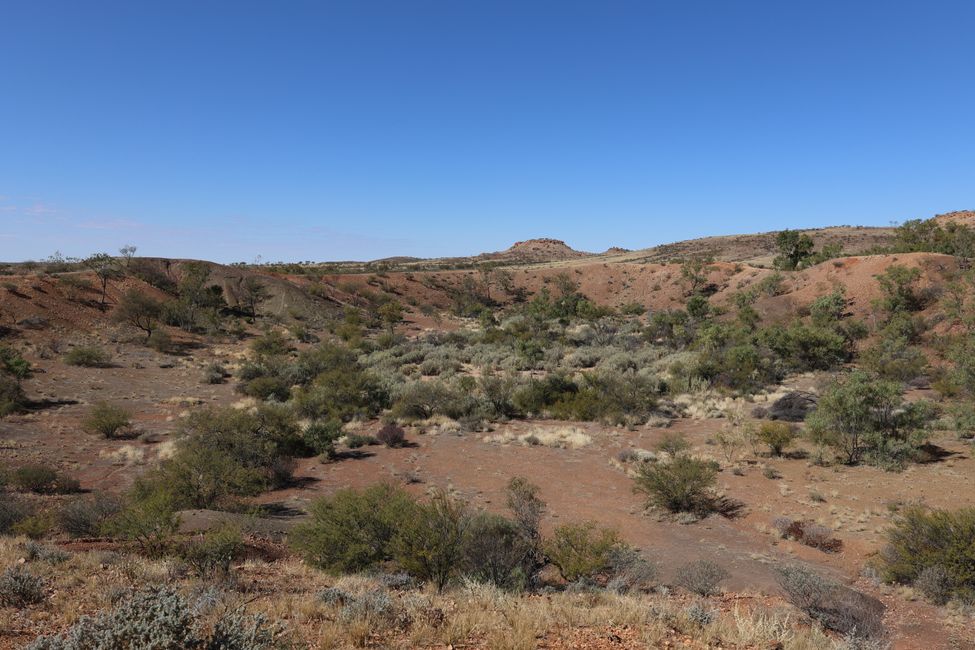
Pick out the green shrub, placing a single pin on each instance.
(211, 555)
(423, 399)
(357, 440)
(922, 540)
(807, 347)
(12, 397)
(20, 588)
(148, 518)
(581, 550)
(321, 436)
(673, 443)
(352, 530)
(229, 453)
(342, 392)
(161, 342)
(895, 359)
(497, 552)
(215, 373)
(430, 541)
(42, 479)
(13, 510)
(898, 284)
(611, 397)
(88, 356)
(271, 344)
(266, 388)
(777, 435)
(540, 394)
(684, 484)
(107, 420)
(36, 526)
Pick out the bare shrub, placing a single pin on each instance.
(391, 435)
(809, 533)
(84, 517)
(935, 583)
(835, 606)
(701, 577)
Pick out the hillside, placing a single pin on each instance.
(443, 382)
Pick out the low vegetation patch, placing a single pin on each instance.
(934, 550)
(108, 420)
(88, 356)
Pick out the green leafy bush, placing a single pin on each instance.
(266, 388)
(420, 400)
(430, 541)
(42, 479)
(13, 510)
(684, 484)
(352, 530)
(12, 397)
(107, 420)
(922, 540)
(88, 356)
(777, 435)
(228, 453)
(497, 552)
(148, 518)
(211, 555)
(582, 550)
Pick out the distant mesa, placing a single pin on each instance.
(541, 249)
(617, 250)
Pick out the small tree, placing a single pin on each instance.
(252, 294)
(694, 271)
(900, 291)
(127, 252)
(794, 247)
(139, 310)
(106, 268)
(864, 415)
(391, 314)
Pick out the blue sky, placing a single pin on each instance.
(355, 130)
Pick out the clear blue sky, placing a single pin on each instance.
(360, 129)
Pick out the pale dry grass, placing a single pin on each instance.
(471, 615)
(559, 437)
